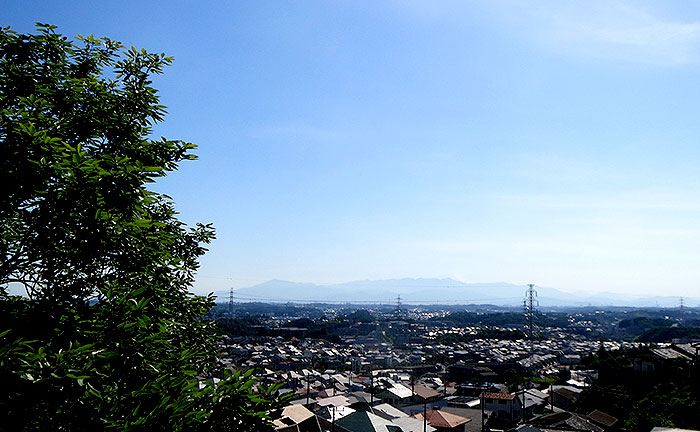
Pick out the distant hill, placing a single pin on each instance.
(434, 291)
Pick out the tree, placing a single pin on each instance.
(672, 405)
(108, 336)
(513, 380)
(361, 315)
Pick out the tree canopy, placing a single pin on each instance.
(108, 336)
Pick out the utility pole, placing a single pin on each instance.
(483, 409)
(413, 385)
(333, 420)
(551, 397)
(444, 381)
(523, 405)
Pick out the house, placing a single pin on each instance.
(504, 406)
(388, 411)
(568, 421)
(443, 421)
(656, 359)
(361, 400)
(336, 401)
(297, 418)
(604, 420)
(424, 394)
(689, 349)
(475, 415)
(535, 402)
(367, 422)
(397, 394)
(564, 398)
(334, 413)
(410, 424)
(400, 418)
(309, 403)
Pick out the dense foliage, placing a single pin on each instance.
(256, 309)
(465, 318)
(669, 397)
(108, 337)
(644, 322)
(667, 334)
(328, 329)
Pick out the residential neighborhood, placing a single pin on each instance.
(397, 375)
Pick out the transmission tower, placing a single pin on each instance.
(398, 306)
(230, 302)
(530, 304)
(681, 306)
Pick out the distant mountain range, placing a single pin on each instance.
(435, 291)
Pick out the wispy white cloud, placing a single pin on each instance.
(628, 201)
(612, 30)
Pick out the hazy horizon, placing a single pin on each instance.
(440, 291)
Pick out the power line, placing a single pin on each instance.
(249, 297)
(360, 284)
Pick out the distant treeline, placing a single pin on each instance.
(256, 327)
(645, 322)
(323, 327)
(667, 334)
(503, 319)
(255, 309)
(660, 329)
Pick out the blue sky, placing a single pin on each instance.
(552, 142)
